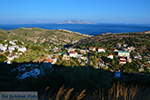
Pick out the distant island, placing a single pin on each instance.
(75, 22)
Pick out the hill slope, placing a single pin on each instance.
(37, 35)
(140, 40)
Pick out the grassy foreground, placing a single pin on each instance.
(116, 92)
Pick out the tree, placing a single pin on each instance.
(35, 47)
(78, 51)
(16, 50)
(144, 60)
(7, 53)
(2, 58)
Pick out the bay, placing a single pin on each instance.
(90, 29)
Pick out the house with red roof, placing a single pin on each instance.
(122, 60)
(48, 61)
(83, 51)
(100, 49)
(92, 48)
(73, 54)
(110, 56)
(52, 60)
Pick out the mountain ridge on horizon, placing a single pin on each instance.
(76, 22)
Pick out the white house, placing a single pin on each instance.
(8, 62)
(92, 48)
(6, 45)
(51, 60)
(115, 50)
(71, 49)
(123, 54)
(135, 57)
(30, 72)
(122, 61)
(83, 51)
(141, 69)
(110, 56)
(131, 48)
(101, 49)
(20, 53)
(10, 58)
(22, 42)
(73, 54)
(12, 48)
(22, 49)
(125, 45)
(129, 60)
(12, 42)
(66, 57)
(3, 48)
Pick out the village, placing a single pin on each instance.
(72, 56)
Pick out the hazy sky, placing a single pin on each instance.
(102, 11)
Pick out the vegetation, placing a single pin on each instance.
(116, 92)
(42, 36)
(139, 40)
(69, 80)
(2, 58)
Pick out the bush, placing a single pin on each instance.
(85, 77)
(2, 58)
(79, 78)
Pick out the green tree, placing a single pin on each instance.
(2, 58)
(7, 53)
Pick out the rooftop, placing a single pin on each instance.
(91, 47)
(73, 52)
(48, 60)
(100, 48)
(123, 51)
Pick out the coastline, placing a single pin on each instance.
(87, 29)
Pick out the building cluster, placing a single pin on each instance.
(27, 70)
(121, 51)
(78, 55)
(10, 46)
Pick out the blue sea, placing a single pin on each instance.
(90, 29)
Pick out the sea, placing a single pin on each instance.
(89, 29)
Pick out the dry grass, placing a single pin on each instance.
(116, 92)
(81, 95)
(67, 96)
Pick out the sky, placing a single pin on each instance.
(99, 11)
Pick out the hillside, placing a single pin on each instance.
(140, 40)
(37, 35)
